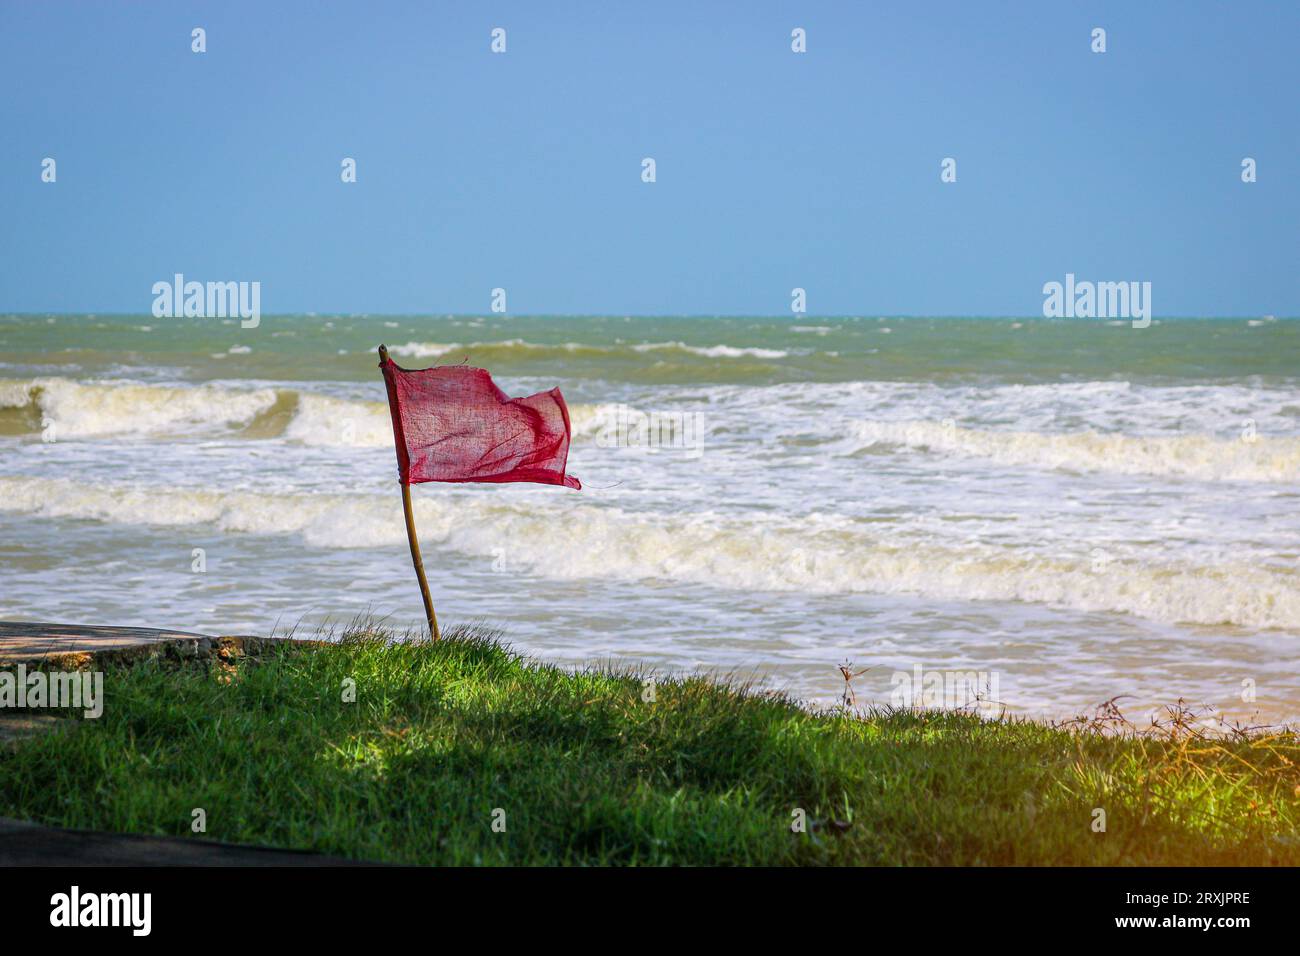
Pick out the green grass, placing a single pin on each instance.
(587, 772)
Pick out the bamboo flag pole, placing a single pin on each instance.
(410, 532)
(419, 564)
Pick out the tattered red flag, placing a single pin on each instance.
(452, 423)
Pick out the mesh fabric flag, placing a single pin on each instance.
(452, 423)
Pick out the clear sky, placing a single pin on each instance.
(774, 170)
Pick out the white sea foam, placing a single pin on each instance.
(336, 422)
(94, 410)
(90, 410)
(439, 349)
(711, 351)
(1192, 456)
(564, 539)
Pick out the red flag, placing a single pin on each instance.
(452, 423)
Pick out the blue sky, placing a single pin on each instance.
(775, 170)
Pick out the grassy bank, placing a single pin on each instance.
(442, 735)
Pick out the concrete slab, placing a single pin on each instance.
(33, 640)
(75, 646)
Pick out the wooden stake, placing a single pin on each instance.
(410, 532)
(419, 564)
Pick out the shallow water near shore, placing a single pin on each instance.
(1078, 509)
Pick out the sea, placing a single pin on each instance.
(1074, 511)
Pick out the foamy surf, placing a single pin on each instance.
(715, 351)
(96, 410)
(1192, 456)
(827, 555)
(92, 410)
(322, 421)
(126, 409)
(479, 350)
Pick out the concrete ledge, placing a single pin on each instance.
(76, 646)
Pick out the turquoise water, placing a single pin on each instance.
(666, 350)
(1080, 508)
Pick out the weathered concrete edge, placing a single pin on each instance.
(175, 648)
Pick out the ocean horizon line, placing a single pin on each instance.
(891, 316)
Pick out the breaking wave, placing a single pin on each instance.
(79, 410)
(571, 539)
(321, 420)
(87, 411)
(476, 350)
(1193, 456)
